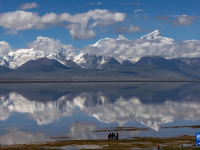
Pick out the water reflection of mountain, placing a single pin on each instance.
(152, 104)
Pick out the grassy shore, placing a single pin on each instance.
(172, 143)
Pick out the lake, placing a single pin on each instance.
(44, 112)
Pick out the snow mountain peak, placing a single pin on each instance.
(101, 41)
(132, 59)
(156, 35)
(121, 37)
(153, 35)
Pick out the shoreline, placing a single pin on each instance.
(93, 81)
(165, 143)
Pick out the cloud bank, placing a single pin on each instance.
(49, 45)
(152, 45)
(4, 48)
(81, 25)
(161, 46)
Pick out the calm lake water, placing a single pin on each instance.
(36, 112)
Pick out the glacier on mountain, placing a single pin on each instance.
(121, 37)
(19, 57)
(67, 57)
(100, 42)
(96, 55)
(157, 35)
(132, 59)
(153, 44)
(153, 35)
(15, 59)
(90, 61)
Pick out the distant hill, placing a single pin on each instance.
(127, 63)
(147, 68)
(71, 64)
(42, 64)
(161, 63)
(110, 63)
(174, 65)
(5, 70)
(194, 62)
(112, 60)
(158, 62)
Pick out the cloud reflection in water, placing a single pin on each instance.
(13, 136)
(122, 110)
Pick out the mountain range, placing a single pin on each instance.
(24, 60)
(17, 58)
(42, 64)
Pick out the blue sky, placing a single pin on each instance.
(145, 14)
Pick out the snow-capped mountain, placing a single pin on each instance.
(42, 64)
(19, 57)
(130, 60)
(157, 35)
(70, 58)
(153, 35)
(121, 37)
(15, 59)
(3, 62)
(100, 42)
(90, 61)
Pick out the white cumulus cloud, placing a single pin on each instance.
(49, 45)
(78, 24)
(78, 33)
(20, 20)
(120, 49)
(4, 48)
(161, 46)
(28, 6)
